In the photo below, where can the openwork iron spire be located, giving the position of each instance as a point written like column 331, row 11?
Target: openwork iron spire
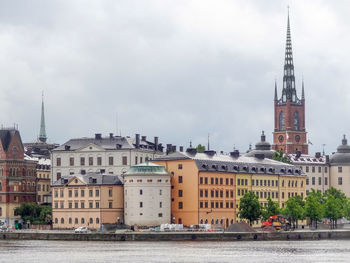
column 42, row 135
column 289, row 91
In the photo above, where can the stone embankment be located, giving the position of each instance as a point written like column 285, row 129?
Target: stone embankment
column 178, row 236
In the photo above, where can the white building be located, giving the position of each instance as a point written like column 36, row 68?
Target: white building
column 111, row 155
column 147, row 200
column 316, row 168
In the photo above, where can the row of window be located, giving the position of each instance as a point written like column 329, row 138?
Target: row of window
column 213, row 193
column 313, row 181
column 218, row 204
column 76, row 220
column 216, row 181
column 148, row 180
column 45, row 187
column 141, row 204
column 313, row 169
column 16, row 172
column 82, row 193
column 91, row 161
column 82, row 205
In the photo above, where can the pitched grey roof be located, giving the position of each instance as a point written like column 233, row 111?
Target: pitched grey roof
column 107, row 143
column 307, row 159
column 92, row 179
column 242, row 164
column 6, row 136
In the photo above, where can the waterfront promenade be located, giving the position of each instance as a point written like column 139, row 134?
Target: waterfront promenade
column 178, row 236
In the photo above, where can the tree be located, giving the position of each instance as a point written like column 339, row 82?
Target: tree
column 280, row 156
column 34, row 213
column 336, row 205
column 200, row 148
column 294, row 210
column 271, row 209
column 314, row 207
column 249, row 207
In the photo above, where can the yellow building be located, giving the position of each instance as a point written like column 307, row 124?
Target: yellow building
column 43, row 175
column 87, row 200
column 207, row 187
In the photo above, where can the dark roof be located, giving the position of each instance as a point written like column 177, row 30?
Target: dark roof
column 242, row 164
column 262, row 147
column 107, row 143
column 91, row 179
column 6, row 136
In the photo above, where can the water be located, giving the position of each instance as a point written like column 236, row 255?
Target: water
column 258, row 251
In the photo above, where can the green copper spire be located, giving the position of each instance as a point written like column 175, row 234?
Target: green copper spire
column 42, row 135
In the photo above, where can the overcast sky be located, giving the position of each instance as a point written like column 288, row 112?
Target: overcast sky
column 174, row 69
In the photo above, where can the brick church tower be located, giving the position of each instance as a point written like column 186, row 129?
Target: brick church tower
column 289, row 133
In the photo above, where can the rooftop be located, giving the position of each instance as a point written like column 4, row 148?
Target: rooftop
column 147, row 168
column 91, row 179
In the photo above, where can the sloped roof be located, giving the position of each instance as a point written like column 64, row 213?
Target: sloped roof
column 6, row 136
column 100, row 179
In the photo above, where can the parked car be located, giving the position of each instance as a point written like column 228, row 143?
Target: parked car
column 82, row 229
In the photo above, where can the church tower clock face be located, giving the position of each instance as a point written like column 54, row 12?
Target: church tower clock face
column 297, row 138
column 280, row 138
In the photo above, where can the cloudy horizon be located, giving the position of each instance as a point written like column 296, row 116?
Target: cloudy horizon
column 179, row 70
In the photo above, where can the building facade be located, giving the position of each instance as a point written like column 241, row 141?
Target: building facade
column 207, row 187
column 87, row 200
column 289, row 133
column 147, row 195
column 111, row 155
column 17, row 176
column 43, row 175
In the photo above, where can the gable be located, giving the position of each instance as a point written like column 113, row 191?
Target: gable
column 90, row 148
column 75, row 181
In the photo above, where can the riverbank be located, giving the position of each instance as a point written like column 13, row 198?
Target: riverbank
column 178, row 236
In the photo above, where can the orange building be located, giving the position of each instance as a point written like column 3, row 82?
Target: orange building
column 206, row 187
column 87, row 200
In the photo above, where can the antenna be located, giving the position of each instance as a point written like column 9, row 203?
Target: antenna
column 323, row 145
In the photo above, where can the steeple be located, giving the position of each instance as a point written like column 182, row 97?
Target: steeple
column 302, row 91
column 276, row 97
column 42, row 135
column 289, row 91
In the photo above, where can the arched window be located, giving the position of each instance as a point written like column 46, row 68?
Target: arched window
column 82, row 220
column 282, row 121
column 62, row 220
column 97, row 220
column 91, row 220
column 296, row 120
column 56, row 220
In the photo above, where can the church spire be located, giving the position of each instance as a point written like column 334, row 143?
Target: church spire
column 42, row 135
column 289, row 92
column 276, row 98
column 302, row 91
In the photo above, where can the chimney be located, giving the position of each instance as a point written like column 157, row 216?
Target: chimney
column 181, row 148
column 318, row 155
column 156, row 143
column 98, row 136
column 111, row 135
column 327, row 159
column 173, row 148
column 234, row 154
column 137, row 141
column 143, row 138
column 168, row 148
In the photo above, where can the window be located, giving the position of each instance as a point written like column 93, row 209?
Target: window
column 231, row 181
column 296, row 120
column 313, row 169
column 212, row 193
column 71, row 161
column 141, row 204
column 90, row 192
column 110, row 204
column 238, row 181
column 58, row 175
column 340, row 180
column 62, row 204
column 201, row 180
column 307, row 181
column 70, row 205
column 82, row 193
column 205, row 180
column 75, row 193
column 226, row 181
column 62, row 220
column 206, row 193
column 82, row 205
column 76, row 221
column 180, row 205
column 110, row 192
column 216, row 180
column 56, row 193
column 253, row 182
column 340, row 169
column 58, row 161
column 180, row 193
column 313, row 180
column 135, row 159
column 110, row 160
column 221, row 194
column 76, row 205
column 56, row 220
column 125, row 160
column 326, row 169
column 282, row 195
column 91, row 221
column 56, row 204
column 180, row 179
column 221, row 180
column 141, row 192
column 160, row 191
column 69, row 193
column 179, row 166
column 245, row 181
column 82, row 220
column 319, row 169
column 82, row 161
column 91, row 161
column 326, row 181
column 307, row 169
column 160, row 215
column 201, row 193
column 281, row 121
column 160, row 204
column 91, row 205
column 99, row 160
column 319, row 180
column 211, row 180
column 97, row 193
column 97, row 204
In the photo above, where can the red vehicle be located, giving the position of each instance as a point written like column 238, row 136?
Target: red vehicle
column 276, row 221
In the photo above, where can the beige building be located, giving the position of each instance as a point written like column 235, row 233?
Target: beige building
column 147, row 195
column 87, row 200
column 340, row 168
column 316, row 169
column 43, row 175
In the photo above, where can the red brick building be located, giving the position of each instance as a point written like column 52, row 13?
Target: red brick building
column 17, row 175
column 289, row 133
